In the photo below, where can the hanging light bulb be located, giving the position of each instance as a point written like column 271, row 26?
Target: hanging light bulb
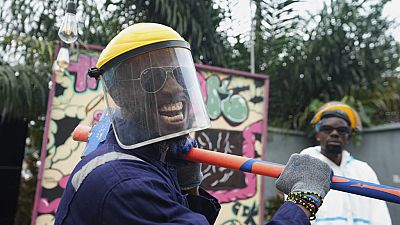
column 69, row 27
column 63, row 58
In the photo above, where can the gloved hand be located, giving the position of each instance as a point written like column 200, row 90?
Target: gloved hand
column 304, row 173
column 189, row 173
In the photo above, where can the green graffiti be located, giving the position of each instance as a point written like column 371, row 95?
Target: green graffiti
column 232, row 222
column 234, row 108
column 220, row 100
column 247, row 212
column 213, row 104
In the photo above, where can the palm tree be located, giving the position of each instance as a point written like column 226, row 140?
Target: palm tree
column 24, row 86
column 347, row 53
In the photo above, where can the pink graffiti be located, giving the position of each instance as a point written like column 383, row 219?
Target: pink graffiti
column 203, row 85
column 248, row 149
column 46, row 207
column 82, row 81
column 63, row 182
column 249, row 138
column 97, row 116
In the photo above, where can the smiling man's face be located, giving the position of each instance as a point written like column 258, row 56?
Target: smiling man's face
column 172, row 109
column 333, row 135
column 173, row 104
column 156, row 87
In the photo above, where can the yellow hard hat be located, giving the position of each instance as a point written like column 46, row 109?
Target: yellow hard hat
column 351, row 114
column 141, row 37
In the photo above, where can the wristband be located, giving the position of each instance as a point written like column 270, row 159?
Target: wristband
column 310, row 200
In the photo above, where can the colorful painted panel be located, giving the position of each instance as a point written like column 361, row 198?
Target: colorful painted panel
column 236, row 103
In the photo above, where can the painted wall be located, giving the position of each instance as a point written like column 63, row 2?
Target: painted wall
column 236, row 103
column 74, row 99
column 236, row 106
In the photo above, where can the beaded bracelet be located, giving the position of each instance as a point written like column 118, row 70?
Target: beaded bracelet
column 310, row 200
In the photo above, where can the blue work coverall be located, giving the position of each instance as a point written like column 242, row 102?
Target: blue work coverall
column 289, row 214
column 116, row 186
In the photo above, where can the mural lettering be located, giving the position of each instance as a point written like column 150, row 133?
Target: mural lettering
column 247, row 212
column 80, row 67
column 232, row 222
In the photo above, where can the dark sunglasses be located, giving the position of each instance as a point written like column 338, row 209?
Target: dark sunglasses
column 329, row 129
column 153, row 79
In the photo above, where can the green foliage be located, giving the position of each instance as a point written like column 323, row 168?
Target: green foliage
column 24, row 78
column 277, row 34
column 345, row 52
column 27, row 52
column 379, row 104
column 196, row 21
column 348, row 53
column 24, row 91
column 275, row 25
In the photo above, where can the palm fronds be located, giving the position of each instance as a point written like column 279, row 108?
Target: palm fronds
column 23, row 91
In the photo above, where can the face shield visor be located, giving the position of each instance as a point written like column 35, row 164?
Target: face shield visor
column 154, row 96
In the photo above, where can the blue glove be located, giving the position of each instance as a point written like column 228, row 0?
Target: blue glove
column 189, row 173
column 178, row 147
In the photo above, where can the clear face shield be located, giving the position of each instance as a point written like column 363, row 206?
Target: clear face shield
column 154, row 96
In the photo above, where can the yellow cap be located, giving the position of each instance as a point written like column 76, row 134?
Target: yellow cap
column 355, row 121
column 135, row 36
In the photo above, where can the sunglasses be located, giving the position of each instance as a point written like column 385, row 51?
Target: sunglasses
column 153, row 79
column 329, row 129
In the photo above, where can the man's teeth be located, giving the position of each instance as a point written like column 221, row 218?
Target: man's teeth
column 172, row 107
column 172, row 112
column 176, row 118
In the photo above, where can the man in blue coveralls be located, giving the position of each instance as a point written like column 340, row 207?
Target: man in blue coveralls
column 138, row 174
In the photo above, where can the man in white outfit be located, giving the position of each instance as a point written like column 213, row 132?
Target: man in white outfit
column 334, row 123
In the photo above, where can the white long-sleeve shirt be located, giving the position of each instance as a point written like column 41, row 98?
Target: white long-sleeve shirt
column 341, row 208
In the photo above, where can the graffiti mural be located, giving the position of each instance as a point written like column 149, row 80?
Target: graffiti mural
column 230, row 185
column 75, row 99
column 236, row 103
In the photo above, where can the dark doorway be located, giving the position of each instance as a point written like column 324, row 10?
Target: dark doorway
column 12, row 147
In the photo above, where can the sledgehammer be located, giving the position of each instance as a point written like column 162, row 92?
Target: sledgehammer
column 260, row 167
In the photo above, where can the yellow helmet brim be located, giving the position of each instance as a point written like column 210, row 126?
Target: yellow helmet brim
column 353, row 116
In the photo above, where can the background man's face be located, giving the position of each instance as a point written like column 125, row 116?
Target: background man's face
column 333, row 135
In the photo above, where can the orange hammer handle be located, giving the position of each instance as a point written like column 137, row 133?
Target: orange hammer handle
column 234, row 162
